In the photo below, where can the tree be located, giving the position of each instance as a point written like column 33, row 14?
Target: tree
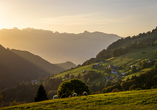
column 1, row 102
column 72, row 76
column 140, row 64
column 71, row 86
column 93, row 87
column 144, row 64
column 156, row 51
column 41, row 94
column 133, row 69
column 155, row 80
column 155, row 67
column 79, row 76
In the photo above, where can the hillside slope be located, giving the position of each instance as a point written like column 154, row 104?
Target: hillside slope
column 128, row 100
column 15, row 69
column 57, row 47
column 128, row 59
column 43, row 64
column 123, row 45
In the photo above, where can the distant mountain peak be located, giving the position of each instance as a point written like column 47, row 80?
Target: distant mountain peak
column 86, row 32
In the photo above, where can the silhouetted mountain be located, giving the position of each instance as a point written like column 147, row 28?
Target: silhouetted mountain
column 43, row 64
column 57, row 47
column 14, row 69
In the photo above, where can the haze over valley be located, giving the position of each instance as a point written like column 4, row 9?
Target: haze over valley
column 57, row 47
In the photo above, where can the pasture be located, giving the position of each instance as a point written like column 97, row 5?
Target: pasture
column 126, row 100
column 128, row 59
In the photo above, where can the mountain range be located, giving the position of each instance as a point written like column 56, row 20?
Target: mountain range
column 57, row 47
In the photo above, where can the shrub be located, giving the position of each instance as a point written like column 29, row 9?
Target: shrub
column 110, row 88
column 132, row 87
column 97, row 92
column 14, row 103
column 153, row 87
column 116, row 90
column 138, row 88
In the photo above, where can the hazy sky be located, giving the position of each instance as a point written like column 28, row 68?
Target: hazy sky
column 122, row 17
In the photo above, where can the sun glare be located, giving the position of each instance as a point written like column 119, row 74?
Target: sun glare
column 1, row 20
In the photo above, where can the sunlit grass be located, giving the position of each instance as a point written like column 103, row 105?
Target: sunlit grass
column 131, row 58
column 128, row 100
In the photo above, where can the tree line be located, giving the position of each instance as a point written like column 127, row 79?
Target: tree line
column 147, row 80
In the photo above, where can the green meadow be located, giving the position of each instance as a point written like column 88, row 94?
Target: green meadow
column 126, row 100
column 128, row 59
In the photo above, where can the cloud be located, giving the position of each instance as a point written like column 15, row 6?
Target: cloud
column 85, row 19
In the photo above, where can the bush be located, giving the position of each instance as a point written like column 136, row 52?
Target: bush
column 14, row 103
column 153, row 87
column 71, row 86
column 132, row 87
column 110, row 88
column 97, row 92
column 138, row 88
column 116, row 90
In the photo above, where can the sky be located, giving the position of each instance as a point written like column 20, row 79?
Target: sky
column 121, row 17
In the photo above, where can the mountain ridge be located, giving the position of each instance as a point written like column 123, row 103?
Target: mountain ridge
column 42, row 63
column 57, row 47
column 15, row 69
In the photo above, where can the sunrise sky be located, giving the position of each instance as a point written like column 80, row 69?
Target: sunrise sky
column 121, row 17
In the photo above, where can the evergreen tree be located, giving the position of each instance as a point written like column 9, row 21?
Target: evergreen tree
column 41, row 94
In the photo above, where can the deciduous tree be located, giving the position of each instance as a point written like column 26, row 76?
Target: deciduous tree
column 71, row 86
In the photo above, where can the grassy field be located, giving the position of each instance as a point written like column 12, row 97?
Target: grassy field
column 131, row 58
column 127, row 100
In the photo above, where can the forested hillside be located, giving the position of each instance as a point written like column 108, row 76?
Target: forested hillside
column 123, row 45
column 15, row 69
